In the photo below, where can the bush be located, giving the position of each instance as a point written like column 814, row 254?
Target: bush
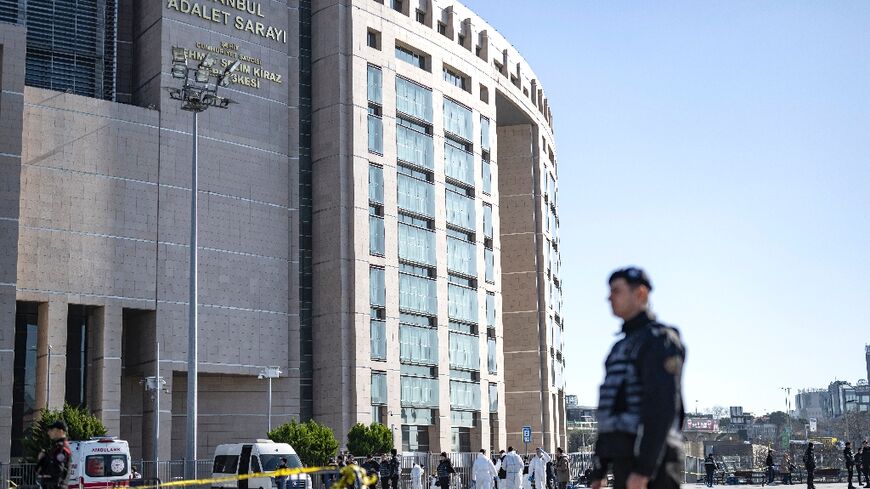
column 363, row 440
column 314, row 443
column 80, row 424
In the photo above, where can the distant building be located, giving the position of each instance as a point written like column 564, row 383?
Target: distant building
column 847, row 398
column 867, row 358
column 571, row 400
column 813, row 403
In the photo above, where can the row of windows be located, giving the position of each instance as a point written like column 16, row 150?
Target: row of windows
column 535, row 94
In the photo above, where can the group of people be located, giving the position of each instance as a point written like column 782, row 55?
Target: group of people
column 860, row 460
column 504, row 471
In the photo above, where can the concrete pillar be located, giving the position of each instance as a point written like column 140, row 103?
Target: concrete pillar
column 7, row 357
column 52, row 333
column 104, row 366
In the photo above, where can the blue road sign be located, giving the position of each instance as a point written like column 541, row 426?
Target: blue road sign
column 527, row 434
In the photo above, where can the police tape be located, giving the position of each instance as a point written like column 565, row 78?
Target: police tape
column 350, row 477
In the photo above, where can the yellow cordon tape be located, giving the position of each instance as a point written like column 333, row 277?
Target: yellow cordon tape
column 350, row 477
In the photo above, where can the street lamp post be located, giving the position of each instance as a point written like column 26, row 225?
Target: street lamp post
column 197, row 93
column 270, row 373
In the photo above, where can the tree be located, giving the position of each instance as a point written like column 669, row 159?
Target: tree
column 363, row 440
column 80, row 424
column 313, row 442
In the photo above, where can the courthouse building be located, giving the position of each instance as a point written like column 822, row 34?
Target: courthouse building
column 377, row 219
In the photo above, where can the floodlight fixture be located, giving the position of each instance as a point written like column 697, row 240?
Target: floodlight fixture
column 178, row 55
column 179, row 70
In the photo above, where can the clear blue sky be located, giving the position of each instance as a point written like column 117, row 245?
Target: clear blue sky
column 725, row 147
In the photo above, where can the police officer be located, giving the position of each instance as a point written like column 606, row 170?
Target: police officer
column 810, row 465
column 849, row 460
column 640, row 410
column 52, row 467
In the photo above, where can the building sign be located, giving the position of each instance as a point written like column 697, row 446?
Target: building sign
column 250, row 73
column 701, row 424
column 244, row 15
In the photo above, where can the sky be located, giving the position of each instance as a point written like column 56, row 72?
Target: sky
column 724, row 146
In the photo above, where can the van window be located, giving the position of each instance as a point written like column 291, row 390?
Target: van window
column 226, row 464
column 106, row 465
column 272, row 460
column 255, row 464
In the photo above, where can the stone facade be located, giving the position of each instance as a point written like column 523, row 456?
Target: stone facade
column 95, row 213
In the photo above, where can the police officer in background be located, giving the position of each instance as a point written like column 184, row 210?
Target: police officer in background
column 640, row 410
column 52, row 467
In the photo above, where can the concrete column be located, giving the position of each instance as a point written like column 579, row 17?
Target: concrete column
column 52, row 332
column 104, row 366
column 7, row 357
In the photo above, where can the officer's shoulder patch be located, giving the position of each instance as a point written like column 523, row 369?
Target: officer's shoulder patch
column 673, row 364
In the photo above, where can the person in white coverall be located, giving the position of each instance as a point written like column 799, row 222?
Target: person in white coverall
column 538, row 468
column 513, row 465
column 483, row 472
column 416, row 476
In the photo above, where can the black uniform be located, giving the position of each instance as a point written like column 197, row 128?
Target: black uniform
column 849, row 460
column 865, row 463
column 769, row 463
column 444, row 471
column 859, row 465
column 710, row 468
column 640, row 411
column 396, row 468
column 386, row 473
column 53, row 467
column 810, row 465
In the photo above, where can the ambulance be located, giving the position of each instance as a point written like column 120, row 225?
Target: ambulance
column 99, row 462
column 235, row 459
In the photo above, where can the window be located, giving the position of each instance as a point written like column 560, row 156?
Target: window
column 461, row 39
column 458, row 162
column 464, row 351
column 462, row 303
column 464, row 395
column 416, row 245
column 419, row 392
column 457, row 119
column 456, row 78
column 489, row 260
column 493, row 398
column 410, row 56
column 414, row 195
column 413, row 99
column 398, row 5
column 416, row 438
column 376, row 133
column 484, row 94
column 375, row 84
column 486, row 176
column 418, row 345
column 379, row 339
column 373, row 39
column 484, row 134
column 376, row 184
column 417, row 294
column 377, row 291
column 491, row 356
column 379, row 388
column 105, row 465
column 414, row 146
column 442, row 28
column 460, row 210
column 226, row 464
column 461, row 256
column 487, row 221
column 420, row 222
column 376, row 235
column 421, row 17
column 490, row 309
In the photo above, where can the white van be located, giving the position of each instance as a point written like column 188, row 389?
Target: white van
column 99, row 462
column 251, row 458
